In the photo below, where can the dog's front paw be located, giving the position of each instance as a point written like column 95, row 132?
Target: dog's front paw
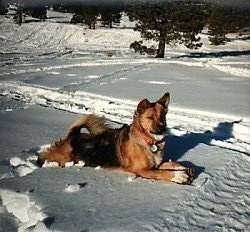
column 184, row 176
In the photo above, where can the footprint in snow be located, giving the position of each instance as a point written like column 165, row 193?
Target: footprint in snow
column 201, row 180
column 72, row 188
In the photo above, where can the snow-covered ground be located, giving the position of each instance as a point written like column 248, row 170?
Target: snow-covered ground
column 52, row 71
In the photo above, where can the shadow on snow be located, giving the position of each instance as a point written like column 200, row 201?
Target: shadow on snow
column 177, row 146
column 216, row 54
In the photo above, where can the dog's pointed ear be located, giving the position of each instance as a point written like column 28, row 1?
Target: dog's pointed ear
column 164, row 100
column 143, row 105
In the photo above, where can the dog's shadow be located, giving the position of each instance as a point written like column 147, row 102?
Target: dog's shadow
column 177, row 146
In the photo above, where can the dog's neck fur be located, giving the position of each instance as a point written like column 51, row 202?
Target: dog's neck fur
column 150, row 141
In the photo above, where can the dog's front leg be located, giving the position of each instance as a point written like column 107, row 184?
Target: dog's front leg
column 175, row 166
column 178, row 176
column 171, row 166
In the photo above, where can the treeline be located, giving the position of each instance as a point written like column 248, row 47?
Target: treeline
column 107, row 12
column 166, row 22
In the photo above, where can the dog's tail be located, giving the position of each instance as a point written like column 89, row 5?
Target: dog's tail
column 61, row 151
column 93, row 123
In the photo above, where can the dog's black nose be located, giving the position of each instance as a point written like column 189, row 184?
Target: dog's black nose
column 161, row 128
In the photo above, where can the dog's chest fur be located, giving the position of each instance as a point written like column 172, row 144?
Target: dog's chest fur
column 156, row 157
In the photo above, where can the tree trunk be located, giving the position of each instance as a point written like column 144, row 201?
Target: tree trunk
column 19, row 18
column 161, row 46
column 92, row 25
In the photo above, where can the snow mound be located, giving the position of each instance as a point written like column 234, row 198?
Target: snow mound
column 29, row 215
column 71, row 188
column 22, row 167
column 50, row 164
column 69, row 164
column 16, row 161
column 55, row 36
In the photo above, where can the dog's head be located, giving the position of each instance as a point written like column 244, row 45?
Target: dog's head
column 151, row 116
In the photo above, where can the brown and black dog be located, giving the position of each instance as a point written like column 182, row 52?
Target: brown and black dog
column 136, row 148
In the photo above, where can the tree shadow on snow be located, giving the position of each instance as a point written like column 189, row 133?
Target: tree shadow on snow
column 216, row 54
column 177, row 146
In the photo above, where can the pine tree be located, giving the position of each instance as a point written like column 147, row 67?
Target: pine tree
column 3, row 8
column 36, row 11
column 169, row 23
column 217, row 29
column 243, row 20
column 110, row 14
column 90, row 15
column 234, row 20
column 85, row 12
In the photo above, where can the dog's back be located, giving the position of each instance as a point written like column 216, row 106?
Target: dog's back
column 72, row 146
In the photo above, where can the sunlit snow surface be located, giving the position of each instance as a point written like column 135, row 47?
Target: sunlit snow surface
column 51, row 72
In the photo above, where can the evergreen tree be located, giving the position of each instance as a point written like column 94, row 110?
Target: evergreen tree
column 169, row 23
column 19, row 16
column 3, row 8
column 243, row 20
column 36, row 11
column 88, row 12
column 85, row 12
column 110, row 14
column 217, row 29
column 234, row 20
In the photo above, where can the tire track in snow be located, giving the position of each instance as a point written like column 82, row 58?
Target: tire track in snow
column 107, row 78
column 180, row 121
column 86, row 63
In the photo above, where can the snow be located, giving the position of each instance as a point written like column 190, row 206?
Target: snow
column 71, row 188
column 53, row 71
column 25, row 211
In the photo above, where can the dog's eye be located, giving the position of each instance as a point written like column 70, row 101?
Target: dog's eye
column 151, row 118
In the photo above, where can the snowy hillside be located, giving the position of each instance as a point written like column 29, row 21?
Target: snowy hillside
column 52, row 71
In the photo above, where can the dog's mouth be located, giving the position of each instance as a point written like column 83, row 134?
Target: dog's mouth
column 157, row 136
